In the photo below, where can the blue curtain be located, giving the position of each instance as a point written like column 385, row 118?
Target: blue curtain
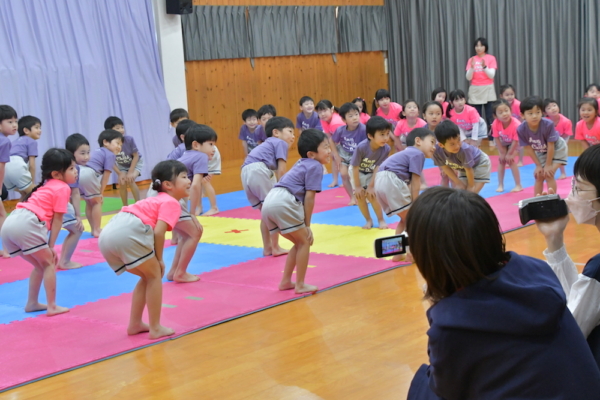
column 74, row 63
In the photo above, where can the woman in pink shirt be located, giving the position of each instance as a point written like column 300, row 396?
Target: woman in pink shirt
column 134, row 239
column 330, row 121
column 385, row 107
column 588, row 129
column 409, row 120
column 362, row 107
column 481, row 69
column 25, row 231
column 562, row 124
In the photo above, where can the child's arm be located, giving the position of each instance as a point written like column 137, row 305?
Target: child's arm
column 501, row 151
column 76, row 202
column 450, row 172
column 57, row 220
column 548, row 170
column 512, row 150
column 195, row 193
column 122, row 175
column 104, row 181
column 334, row 153
column 538, row 165
column 359, row 192
column 371, row 185
column 281, row 167
column 131, row 172
column 245, row 147
column 415, row 186
column 32, row 168
column 159, row 243
column 584, row 144
column 470, row 178
column 309, row 204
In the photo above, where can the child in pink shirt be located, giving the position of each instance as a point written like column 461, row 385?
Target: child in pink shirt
column 25, row 231
column 504, row 131
column 133, row 241
column 440, row 94
column 588, row 129
column 593, row 91
column 562, row 124
column 465, row 117
column 330, row 121
column 409, row 120
column 362, row 106
column 385, row 107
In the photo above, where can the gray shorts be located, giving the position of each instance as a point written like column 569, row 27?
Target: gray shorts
column 345, row 155
column 393, row 194
column 138, row 166
column 23, row 232
column 214, row 165
column 89, row 182
column 365, row 179
column 16, row 174
column 282, row 212
column 481, row 171
column 185, row 214
column 561, row 153
column 257, row 181
column 126, row 242
column 69, row 217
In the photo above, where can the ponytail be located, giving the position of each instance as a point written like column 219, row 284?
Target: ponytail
column 166, row 171
column 53, row 160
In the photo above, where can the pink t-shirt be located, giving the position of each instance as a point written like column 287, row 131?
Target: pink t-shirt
column 592, row 136
column 364, row 117
column 507, row 135
column 393, row 115
column 402, row 128
column 479, row 76
column 466, row 119
column 564, row 126
column 515, row 109
column 331, row 126
column 51, row 198
column 162, row 207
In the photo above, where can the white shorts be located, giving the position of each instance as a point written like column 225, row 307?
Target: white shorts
column 257, row 181
column 138, row 166
column 89, row 182
column 365, row 179
column 185, row 214
column 69, row 217
column 345, row 155
column 214, row 165
column 481, row 171
column 482, row 132
column 561, row 153
column 126, row 242
column 282, row 212
column 16, row 174
column 393, row 194
column 23, row 232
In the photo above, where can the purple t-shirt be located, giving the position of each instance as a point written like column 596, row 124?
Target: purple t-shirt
column 468, row 156
column 125, row 157
column 269, row 152
column 5, row 145
column 76, row 184
column 306, row 174
column 176, row 141
column 24, row 147
column 102, row 160
column 538, row 140
column 366, row 159
column 349, row 139
column 252, row 138
column 176, row 152
column 306, row 123
column 196, row 162
column 405, row 163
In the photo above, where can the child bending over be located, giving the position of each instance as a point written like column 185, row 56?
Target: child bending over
column 20, row 172
column 8, row 126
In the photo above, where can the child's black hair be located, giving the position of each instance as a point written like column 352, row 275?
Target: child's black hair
column 433, row 103
column 498, row 103
column 113, row 121
column 456, row 94
column 592, row 85
column 304, row 99
column 587, row 166
column 53, row 160
column 7, row 112
column 532, row 101
column 279, row 123
column 590, row 101
column 199, row 133
column 377, row 123
column 402, row 116
column 177, row 114
column 483, row 41
column 267, row 109
column 27, row 122
column 310, row 140
column 505, row 87
column 420, row 133
column 166, row 171
column 363, row 102
column 182, row 128
column 446, row 130
column 437, row 91
column 548, row 101
column 75, row 141
column 249, row 113
column 109, row 135
column 380, row 94
column 324, row 105
column 346, row 108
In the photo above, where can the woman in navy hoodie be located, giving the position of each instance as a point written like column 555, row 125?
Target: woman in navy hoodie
column 499, row 323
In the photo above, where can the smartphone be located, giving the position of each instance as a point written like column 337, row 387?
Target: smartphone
column 390, row 246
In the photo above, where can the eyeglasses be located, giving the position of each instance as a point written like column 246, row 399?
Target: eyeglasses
column 576, row 190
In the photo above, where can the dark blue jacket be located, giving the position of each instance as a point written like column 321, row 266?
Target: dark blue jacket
column 509, row 336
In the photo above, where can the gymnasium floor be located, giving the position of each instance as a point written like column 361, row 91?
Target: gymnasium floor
column 363, row 340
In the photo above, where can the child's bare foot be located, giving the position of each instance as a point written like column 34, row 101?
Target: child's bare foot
column 352, row 202
column 170, row 275
column 198, row 211
column 368, row 225
column 562, row 176
column 162, row 331
column 138, row 328
column 382, row 224
column 520, row 164
column 96, row 233
column 174, row 240
column 186, row 278
column 52, row 311
column 5, row 254
column 333, row 184
column 69, row 265
column 35, row 307
column 517, row 188
column 279, row 252
column 210, row 212
column 304, row 288
column 287, row 286
column 500, row 189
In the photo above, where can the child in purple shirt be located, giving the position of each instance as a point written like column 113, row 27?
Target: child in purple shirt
column 344, row 142
column 8, row 126
column 472, row 164
column 265, row 113
column 542, row 143
column 367, row 157
column 94, row 176
column 176, row 116
column 129, row 161
column 20, row 172
column 289, row 205
column 251, row 133
column 263, row 164
column 180, row 131
column 308, row 118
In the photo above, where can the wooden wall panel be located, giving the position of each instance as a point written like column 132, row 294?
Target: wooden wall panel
column 219, row 90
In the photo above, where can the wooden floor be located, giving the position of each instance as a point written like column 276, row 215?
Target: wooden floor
column 363, row 340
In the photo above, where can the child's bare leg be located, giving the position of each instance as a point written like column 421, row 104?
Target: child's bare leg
column 538, row 187
column 347, row 184
column 276, row 249
column 445, row 179
column 478, row 186
column 68, row 248
column 88, row 213
column 123, row 193
column 2, row 218
column 138, row 302
column 401, row 227
column 364, row 209
column 135, row 191
column 190, row 236
column 44, row 260
column 517, row 177
column 521, row 157
column 378, row 213
column 290, row 262
column 266, row 238
column 35, row 282
column 96, row 216
column 550, row 180
column 501, row 170
column 209, row 191
column 302, row 252
column 334, row 171
column 563, row 173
